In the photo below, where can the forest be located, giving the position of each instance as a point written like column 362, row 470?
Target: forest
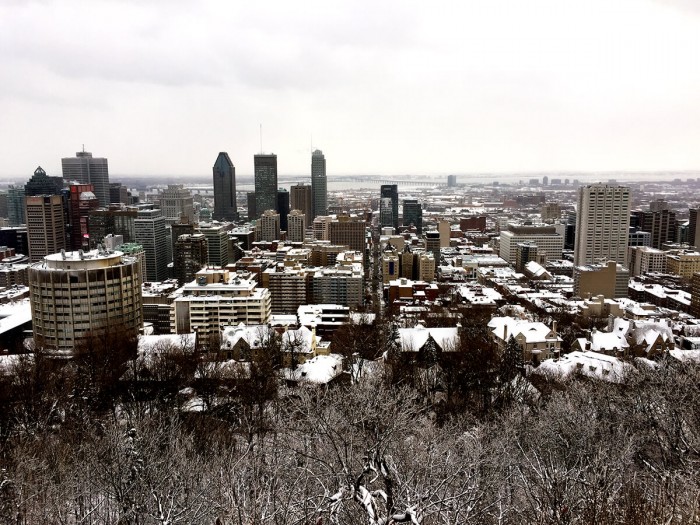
column 436, row 439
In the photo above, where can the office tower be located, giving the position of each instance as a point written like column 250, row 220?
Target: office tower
column 45, row 225
column 15, row 205
column 225, row 189
column 297, row 226
column 445, row 232
column 348, row 230
column 391, row 191
column 117, row 219
column 42, row 184
column 265, row 183
column 283, row 207
column 661, row 224
column 319, row 184
column 217, row 243
column 118, row 193
column 76, row 294
column 86, row 169
column 176, row 202
column 659, row 205
column 190, row 256
column 250, row 199
column 180, row 228
column 432, row 244
column 452, row 181
column 602, row 224
column 268, row 226
column 301, row 199
column 545, row 180
column 149, row 230
column 81, row 201
column 550, row 211
column 386, row 213
column 3, row 205
column 550, row 244
column 693, row 227
column 413, row 214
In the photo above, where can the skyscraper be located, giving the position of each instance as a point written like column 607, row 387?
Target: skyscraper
column 15, row 205
column 283, row 207
column 413, row 214
column 45, row 225
column 149, row 227
column 86, row 169
column 176, row 202
column 191, row 252
column 301, row 199
column 319, row 184
column 217, row 243
column 296, row 226
column 602, row 224
column 42, row 184
column 661, row 224
column 391, row 191
column 224, row 189
column 81, row 201
column 265, row 167
column 75, row 294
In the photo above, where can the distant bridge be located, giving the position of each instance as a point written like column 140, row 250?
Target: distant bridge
column 380, row 180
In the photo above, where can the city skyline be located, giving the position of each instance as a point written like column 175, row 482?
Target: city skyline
column 468, row 87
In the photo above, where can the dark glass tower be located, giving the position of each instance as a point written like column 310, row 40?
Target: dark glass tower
column 265, row 183
column 413, row 214
column 319, row 185
column 224, row 189
column 283, row 207
column 391, row 191
column 42, row 184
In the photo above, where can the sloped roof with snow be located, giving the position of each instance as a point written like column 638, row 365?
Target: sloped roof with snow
column 318, row 370
column 254, row 335
column 532, row 331
column 413, row 339
column 590, row 364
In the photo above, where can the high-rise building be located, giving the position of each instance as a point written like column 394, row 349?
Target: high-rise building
column 550, row 244
column 217, row 243
column 117, row 219
column 319, row 184
column 225, row 189
column 693, row 227
column 190, row 256
column 86, row 169
column 661, row 224
column 391, row 191
column 81, row 201
column 283, row 207
column 149, row 227
column 42, row 184
column 413, row 214
column 76, row 294
column 268, row 226
column 176, row 202
column 297, row 226
column 602, row 224
column 265, row 167
column 15, row 205
column 452, row 181
column 432, row 244
column 300, row 198
column 250, row 199
column 118, row 193
column 3, row 205
column 348, row 230
column 45, row 225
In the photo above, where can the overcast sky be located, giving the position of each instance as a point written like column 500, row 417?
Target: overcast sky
column 390, row 87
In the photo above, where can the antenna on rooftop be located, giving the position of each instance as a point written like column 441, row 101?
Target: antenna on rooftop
column 261, row 150
column 83, row 148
